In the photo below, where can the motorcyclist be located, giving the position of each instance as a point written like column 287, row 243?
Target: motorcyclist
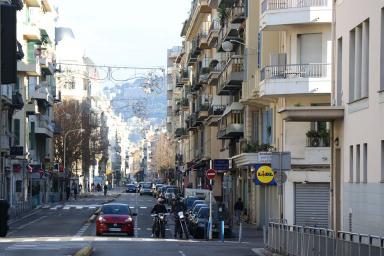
column 177, row 207
column 158, row 208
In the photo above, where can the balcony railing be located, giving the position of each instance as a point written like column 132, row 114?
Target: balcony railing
column 292, row 71
column 216, row 110
column 286, row 4
column 238, row 14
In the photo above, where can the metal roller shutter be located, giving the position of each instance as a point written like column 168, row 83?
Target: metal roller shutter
column 312, row 204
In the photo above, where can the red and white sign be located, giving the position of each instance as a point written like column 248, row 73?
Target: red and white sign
column 210, row 174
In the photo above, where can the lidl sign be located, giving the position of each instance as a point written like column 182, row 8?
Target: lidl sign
column 264, row 175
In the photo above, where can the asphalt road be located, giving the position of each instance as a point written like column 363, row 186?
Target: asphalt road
column 65, row 228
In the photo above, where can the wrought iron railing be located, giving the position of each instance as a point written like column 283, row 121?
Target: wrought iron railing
column 290, row 71
column 286, row 4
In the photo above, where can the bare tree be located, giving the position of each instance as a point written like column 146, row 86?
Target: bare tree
column 164, row 154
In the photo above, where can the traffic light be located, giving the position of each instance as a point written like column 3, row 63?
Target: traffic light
column 4, row 206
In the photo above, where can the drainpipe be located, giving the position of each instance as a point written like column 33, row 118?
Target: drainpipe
column 334, row 223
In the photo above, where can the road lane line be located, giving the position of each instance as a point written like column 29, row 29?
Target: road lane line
column 53, row 239
column 29, row 240
column 31, row 222
column 77, row 239
column 182, row 253
column 82, row 230
column 143, row 207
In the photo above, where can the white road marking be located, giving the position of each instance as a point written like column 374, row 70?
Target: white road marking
column 53, row 240
column 77, row 239
column 101, row 238
column 82, row 230
column 66, row 208
column 143, row 207
column 30, row 240
column 31, row 222
column 6, row 240
column 182, row 253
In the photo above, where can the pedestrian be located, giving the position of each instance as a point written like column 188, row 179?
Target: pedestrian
column 74, row 188
column 93, row 187
column 80, row 188
column 239, row 207
column 98, row 187
column 68, row 191
column 105, row 189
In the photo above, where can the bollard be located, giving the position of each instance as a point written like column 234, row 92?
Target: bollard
column 240, row 231
column 222, row 230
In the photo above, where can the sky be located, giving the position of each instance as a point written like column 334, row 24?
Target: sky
column 126, row 32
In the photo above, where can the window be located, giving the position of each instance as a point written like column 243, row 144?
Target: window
column 16, row 131
column 255, row 128
column 357, row 163
column 359, row 61
column 32, row 139
column 351, row 164
column 365, row 163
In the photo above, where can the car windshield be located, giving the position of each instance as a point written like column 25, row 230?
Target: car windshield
column 189, row 201
column 131, row 186
column 147, row 185
column 171, row 190
column 116, row 209
column 203, row 212
column 197, row 202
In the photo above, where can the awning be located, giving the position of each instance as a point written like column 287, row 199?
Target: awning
column 249, row 159
column 312, row 113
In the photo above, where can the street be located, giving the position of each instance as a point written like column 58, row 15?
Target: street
column 63, row 229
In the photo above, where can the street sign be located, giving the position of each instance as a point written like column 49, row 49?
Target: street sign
column 210, row 174
column 220, row 164
column 281, row 161
column 265, row 174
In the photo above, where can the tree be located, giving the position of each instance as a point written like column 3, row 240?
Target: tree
column 164, row 154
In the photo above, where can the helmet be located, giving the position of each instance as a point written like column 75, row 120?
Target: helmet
column 160, row 200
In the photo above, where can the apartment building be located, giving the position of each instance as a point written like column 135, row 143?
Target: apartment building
column 33, row 126
column 359, row 84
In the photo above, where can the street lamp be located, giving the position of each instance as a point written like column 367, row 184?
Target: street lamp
column 228, row 45
column 65, row 139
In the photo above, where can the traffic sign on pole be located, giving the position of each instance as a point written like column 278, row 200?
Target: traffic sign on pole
column 210, row 174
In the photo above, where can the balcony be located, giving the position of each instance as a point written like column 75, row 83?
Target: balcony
column 191, row 59
column 213, row 33
column 214, row 114
column 215, row 69
column 295, row 79
column 231, row 124
column 43, row 125
column 237, row 14
column 277, row 14
column 32, row 67
column 6, row 94
column 184, row 102
column 179, row 132
column 202, row 112
column 31, row 32
column 4, row 143
column 46, row 63
column 42, row 93
column 191, row 122
column 199, row 8
column 31, row 108
column 231, row 78
column 202, row 37
column 33, row 3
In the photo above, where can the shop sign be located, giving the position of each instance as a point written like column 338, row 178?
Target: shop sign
column 264, row 175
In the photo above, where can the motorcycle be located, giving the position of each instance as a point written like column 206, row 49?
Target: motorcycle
column 159, row 221
column 182, row 227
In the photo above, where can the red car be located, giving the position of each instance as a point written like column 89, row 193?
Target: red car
column 115, row 218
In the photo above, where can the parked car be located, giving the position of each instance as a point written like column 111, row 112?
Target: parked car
column 188, row 201
column 192, row 216
column 130, row 188
column 115, row 218
column 199, row 222
column 146, row 189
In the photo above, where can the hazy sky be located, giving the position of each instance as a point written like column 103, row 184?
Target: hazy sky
column 126, row 32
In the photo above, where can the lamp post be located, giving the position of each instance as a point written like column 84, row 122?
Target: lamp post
column 65, row 140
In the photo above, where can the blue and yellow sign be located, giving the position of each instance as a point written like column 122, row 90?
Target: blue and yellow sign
column 264, row 175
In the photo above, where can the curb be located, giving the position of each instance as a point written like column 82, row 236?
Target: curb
column 86, row 251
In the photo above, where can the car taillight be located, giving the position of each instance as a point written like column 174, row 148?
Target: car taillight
column 129, row 219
